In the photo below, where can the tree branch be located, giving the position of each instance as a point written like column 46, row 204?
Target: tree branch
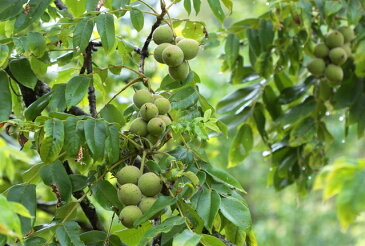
column 60, row 5
column 47, row 206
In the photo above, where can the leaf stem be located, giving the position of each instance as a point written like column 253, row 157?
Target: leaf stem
column 143, row 161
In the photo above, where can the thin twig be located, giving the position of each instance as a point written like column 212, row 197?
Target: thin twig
column 149, row 6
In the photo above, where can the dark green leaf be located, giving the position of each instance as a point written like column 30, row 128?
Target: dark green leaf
column 4, row 54
column 78, row 182
column 260, row 120
column 236, row 212
column 10, row 8
column 217, row 10
column 266, row 34
column 36, row 10
column 72, row 139
column 35, row 241
column 112, row 143
column 95, row 135
column 76, row 89
column 137, row 19
column 197, row 4
column 55, row 174
column 36, row 108
column 231, row 49
column 264, row 65
column 82, row 34
column 112, row 114
column 105, row 26
column 184, row 98
column 6, row 104
column 52, row 143
column 186, row 238
column 208, row 240
column 241, row 145
column 94, row 238
column 23, row 73
column 91, row 5
column 187, row 6
column 36, row 43
column 106, row 195
column 69, row 234
column 58, row 100
column 271, row 102
column 298, row 112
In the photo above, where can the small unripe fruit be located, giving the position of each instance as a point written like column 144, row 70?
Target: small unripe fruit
column 325, row 91
column 139, row 127
column 173, row 56
column 334, row 73
column 129, row 194
column 163, row 105
column 129, row 214
column 156, row 96
column 179, row 73
column 141, row 97
column 158, row 52
column 156, row 126
column 347, row 48
column 335, row 39
column 146, row 204
column 316, row 66
column 178, row 39
column 338, row 56
column 321, row 50
column 148, row 111
column 347, row 33
column 190, row 47
column 128, row 174
column 163, row 34
column 166, row 119
column 150, row 184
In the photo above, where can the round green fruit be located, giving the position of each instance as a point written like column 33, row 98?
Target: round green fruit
column 156, row 126
column 146, row 204
column 129, row 194
column 173, row 56
column 150, row 184
column 163, row 34
column 338, row 56
column 334, row 39
column 158, row 52
column 129, row 214
column 190, row 47
column 148, row 111
column 179, row 73
column 128, row 174
column 138, row 127
column 141, row 97
column 156, row 96
column 347, row 48
column 163, row 105
column 321, row 50
column 178, row 39
column 317, row 66
column 334, row 73
column 325, row 91
column 348, row 33
column 166, row 119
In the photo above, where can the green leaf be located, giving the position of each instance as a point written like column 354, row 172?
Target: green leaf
column 260, row 120
column 186, row 238
column 234, row 234
column 164, row 227
column 95, row 135
column 36, row 43
column 207, row 204
column 192, row 216
column 38, row 66
column 297, row 112
column 9, row 223
column 78, row 182
column 217, row 10
column 69, row 234
column 264, row 65
column 231, row 49
column 303, row 132
column 105, row 27
column 72, row 139
column 106, row 195
column 208, row 240
column 332, row 7
column 23, row 73
column 76, row 89
column 4, row 54
column 169, row 83
column 55, row 174
column 36, row 10
column 36, row 108
column 25, row 194
column 197, row 4
column 5, row 95
column 10, row 8
column 223, row 177
column 58, row 99
column 93, row 237
column 161, row 203
column 35, row 241
column 112, row 143
column 271, row 102
column 184, row 98
column 236, row 212
column 187, row 6
column 51, row 144
column 82, row 34
column 137, row 19
column 193, row 30
column 266, row 34
column 112, row 114
column 76, row 8
column 91, row 5
column 241, row 145
column 228, row 4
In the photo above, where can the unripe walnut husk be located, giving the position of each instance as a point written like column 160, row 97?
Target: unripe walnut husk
column 139, row 127
column 338, row 56
column 150, row 184
column 179, row 73
column 156, row 126
column 129, row 194
column 334, row 73
column 348, row 33
column 163, row 105
column 163, row 34
column 190, row 47
column 166, row 119
column 335, row 39
column 173, row 56
column 317, row 67
column 128, row 174
column 129, row 215
column 148, row 111
column 321, row 50
column 141, row 97
column 157, row 54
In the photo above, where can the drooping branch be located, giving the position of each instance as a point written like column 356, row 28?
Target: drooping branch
column 60, row 5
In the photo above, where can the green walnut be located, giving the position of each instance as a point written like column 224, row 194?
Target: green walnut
column 316, row 67
column 178, row 39
column 321, row 50
column 150, row 184
column 129, row 194
column 148, row 111
column 141, row 97
column 158, row 52
column 334, row 39
column 334, row 73
column 129, row 215
column 348, row 33
column 338, row 56
column 163, row 34
column 325, row 91
column 173, row 56
column 179, row 73
column 138, row 127
column 163, row 105
column 128, row 174
column 146, row 204
column 347, row 48
column 156, row 126
column 190, row 48
column 166, row 119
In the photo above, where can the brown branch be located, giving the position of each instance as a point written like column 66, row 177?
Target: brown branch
column 60, row 5
column 144, row 51
column 47, row 206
